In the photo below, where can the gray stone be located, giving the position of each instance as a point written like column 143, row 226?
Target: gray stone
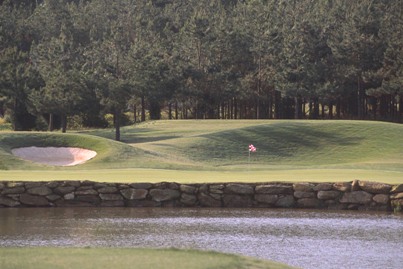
column 141, row 185
column 204, row 188
column 397, row 188
column 188, row 189
column 381, row 199
column 397, row 196
column 285, row 201
column 87, row 183
column 110, row 197
column 15, row 190
column 208, row 201
column 64, row 190
column 69, row 196
column 375, row 187
column 266, row 198
column 2, row 186
column 8, row 202
column 102, row 185
column 303, row 194
column 216, row 196
column 108, row 190
column 239, row 189
column 13, row 184
column 303, row 187
column 342, row 186
column 134, row 194
column 85, row 188
column 323, row 187
column 93, row 199
column 328, row 195
column 15, row 197
column 188, row 199
column 309, row 203
column 356, row 197
column 160, row 195
column 52, row 184
column 233, row 200
column 355, row 185
column 167, row 185
column 30, row 185
column 28, row 199
column 274, row 189
column 53, row 197
column 42, row 191
column 217, row 189
column 123, row 186
column 86, row 192
column 72, row 183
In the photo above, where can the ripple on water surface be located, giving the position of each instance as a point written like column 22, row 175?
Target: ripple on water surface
column 307, row 239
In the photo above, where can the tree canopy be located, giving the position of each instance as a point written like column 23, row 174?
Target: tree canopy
column 202, row 59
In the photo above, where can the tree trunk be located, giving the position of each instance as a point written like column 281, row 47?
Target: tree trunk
column 50, row 124
column 64, row 122
column 143, row 109
column 116, row 122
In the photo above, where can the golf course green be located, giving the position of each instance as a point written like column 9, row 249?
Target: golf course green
column 192, row 151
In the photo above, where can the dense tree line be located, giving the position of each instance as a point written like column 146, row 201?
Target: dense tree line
column 202, row 59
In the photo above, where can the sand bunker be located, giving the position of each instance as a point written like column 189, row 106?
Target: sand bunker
column 60, row 156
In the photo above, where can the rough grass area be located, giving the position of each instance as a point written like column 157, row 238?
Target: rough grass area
column 217, row 150
column 117, row 258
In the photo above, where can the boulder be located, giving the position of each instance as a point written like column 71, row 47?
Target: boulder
column 14, row 190
column 309, row 203
column 303, row 187
column 86, row 192
column 303, row 194
column 8, row 202
column 375, row 187
column 397, row 196
column 53, row 197
column 208, row 201
column 108, row 189
column 188, row 199
column 397, row 188
column 160, row 195
column 12, row 184
column 342, row 186
column 141, row 185
column 217, row 188
column 69, row 196
column 134, row 194
column 323, row 187
column 233, row 200
column 110, row 197
column 285, row 201
column 42, row 191
column 188, row 189
column 33, row 200
column 328, row 195
column 266, row 198
column 239, row 189
column 64, row 190
column 381, row 199
column 356, row 197
column 274, row 189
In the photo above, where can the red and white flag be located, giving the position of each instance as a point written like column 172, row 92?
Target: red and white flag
column 252, row 148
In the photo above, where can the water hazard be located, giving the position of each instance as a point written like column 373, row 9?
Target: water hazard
column 306, row 239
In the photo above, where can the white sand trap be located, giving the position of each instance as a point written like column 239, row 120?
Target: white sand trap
column 61, row 156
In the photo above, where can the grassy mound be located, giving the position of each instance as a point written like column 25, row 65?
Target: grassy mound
column 109, row 153
column 217, row 150
column 126, row 258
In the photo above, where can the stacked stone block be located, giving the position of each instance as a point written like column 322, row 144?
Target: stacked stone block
column 360, row 195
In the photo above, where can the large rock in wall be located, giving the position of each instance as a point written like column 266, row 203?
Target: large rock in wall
column 362, row 195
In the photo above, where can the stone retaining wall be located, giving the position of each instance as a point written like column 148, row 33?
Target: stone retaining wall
column 361, row 195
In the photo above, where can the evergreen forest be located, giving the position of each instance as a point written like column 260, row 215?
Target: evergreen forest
column 199, row 59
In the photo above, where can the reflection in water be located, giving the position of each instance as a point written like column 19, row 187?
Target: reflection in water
column 307, row 239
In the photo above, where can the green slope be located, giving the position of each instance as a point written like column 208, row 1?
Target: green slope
column 217, row 150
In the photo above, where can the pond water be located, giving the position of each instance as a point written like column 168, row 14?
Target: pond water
column 302, row 238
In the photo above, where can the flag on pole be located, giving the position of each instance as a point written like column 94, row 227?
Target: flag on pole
column 252, row 148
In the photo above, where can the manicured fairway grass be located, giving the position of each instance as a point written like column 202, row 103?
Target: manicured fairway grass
column 117, row 258
column 217, row 151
